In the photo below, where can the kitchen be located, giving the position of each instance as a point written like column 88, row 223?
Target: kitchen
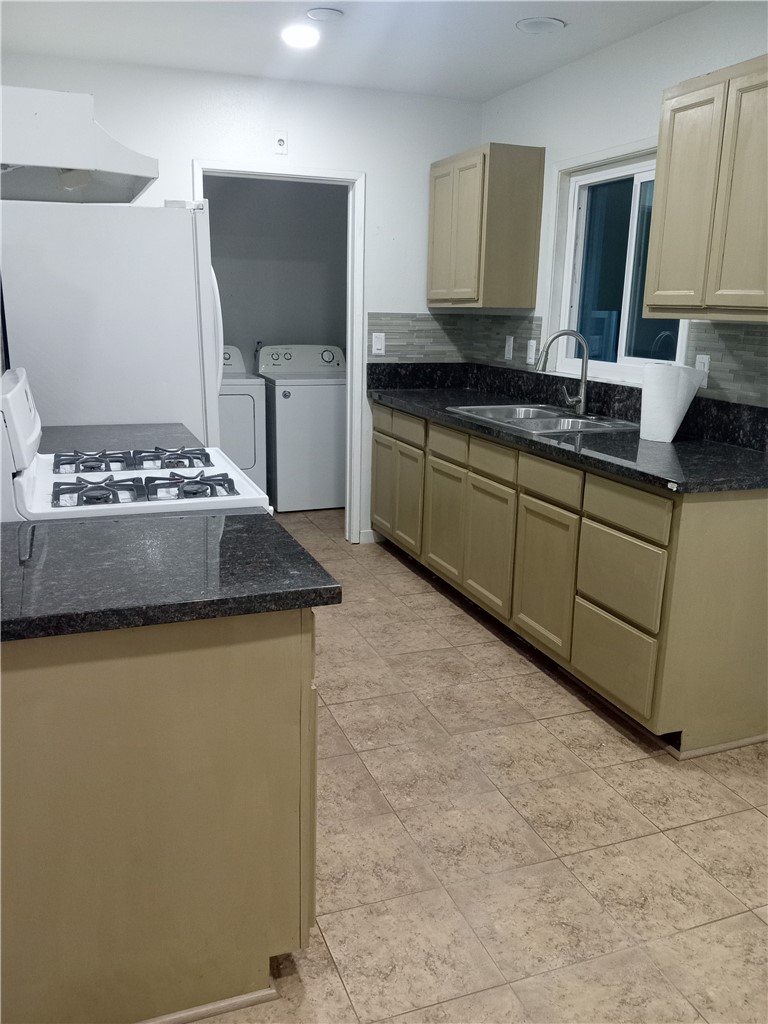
column 603, row 105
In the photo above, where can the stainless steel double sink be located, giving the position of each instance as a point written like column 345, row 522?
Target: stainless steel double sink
column 540, row 419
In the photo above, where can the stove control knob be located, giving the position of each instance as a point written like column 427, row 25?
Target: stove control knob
column 289, row 355
column 275, row 356
column 326, row 355
column 286, row 394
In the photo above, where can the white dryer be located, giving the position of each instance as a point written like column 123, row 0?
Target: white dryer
column 242, row 417
column 306, row 391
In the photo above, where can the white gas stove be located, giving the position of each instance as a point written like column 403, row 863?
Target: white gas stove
column 108, row 483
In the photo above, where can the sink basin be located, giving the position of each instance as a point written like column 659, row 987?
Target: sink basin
column 540, row 419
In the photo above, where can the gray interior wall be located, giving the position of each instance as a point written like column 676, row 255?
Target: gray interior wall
column 279, row 250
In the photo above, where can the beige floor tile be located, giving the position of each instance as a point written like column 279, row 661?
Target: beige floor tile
column 346, row 790
column 543, row 696
column 343, row 568
column 331, row 741
column 764, row 810
column 497, row 659
column 331, row 652
column 433, row 605
column 463, row 630
column 721, row 968
column 671, row 792
column 762, row 913
column 311, row 992
column 744, row 770
column 365, row 605
column 494, row 1006
column 406, row 953
column 421, row 773
column 384, row 721
column 600, row 740
column 578, row 812
column 430, row 672
column 516, row 754
column 373, row 677
column 287, row 518
column 622, row 987
column 472, row 706
column 327, row 518
column 536, row 918
column 651, row 887
column 403, row 582
column 375, row 556
column 406, row 638
column 371, row 618
column 472, row 836
column 367, row 860
column 734, row 849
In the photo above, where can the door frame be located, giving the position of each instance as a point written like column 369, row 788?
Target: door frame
column 356, row 349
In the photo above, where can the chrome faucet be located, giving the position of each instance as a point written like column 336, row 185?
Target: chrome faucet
column 579, row 403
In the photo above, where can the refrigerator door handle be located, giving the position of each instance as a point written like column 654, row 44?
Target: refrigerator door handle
column 219, row 326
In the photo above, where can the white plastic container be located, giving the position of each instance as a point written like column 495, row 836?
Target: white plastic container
column 668, row 390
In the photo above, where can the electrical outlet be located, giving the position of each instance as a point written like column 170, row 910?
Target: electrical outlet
column 281, row 143
column 378, row 343
column 530, row 356
column 702, row 363
column 508, row 343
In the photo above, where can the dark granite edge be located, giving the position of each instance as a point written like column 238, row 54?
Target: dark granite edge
column 551, row 448
column 35, row 627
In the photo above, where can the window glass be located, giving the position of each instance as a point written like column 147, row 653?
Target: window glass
column 646, row 339
column 606, row 234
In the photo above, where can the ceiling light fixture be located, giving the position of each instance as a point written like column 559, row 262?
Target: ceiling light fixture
column 539, row 26
column 302, row 37
column 325, row 14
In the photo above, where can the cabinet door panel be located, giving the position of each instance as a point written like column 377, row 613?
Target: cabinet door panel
column 738, row 269
column 489, row 542
column 383, row 483
column 545, row 572
column 409, row 488
column 686, row 180
column 467, row 226
column 444, row 518
column 440, row 232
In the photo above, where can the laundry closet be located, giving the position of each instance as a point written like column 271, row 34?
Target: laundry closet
column 279, row 252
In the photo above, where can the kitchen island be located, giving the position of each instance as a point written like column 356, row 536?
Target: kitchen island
column 159, row 731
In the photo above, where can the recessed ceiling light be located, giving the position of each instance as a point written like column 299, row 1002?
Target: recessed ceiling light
column 538, row 26
column 302, row 37
column 325, row 14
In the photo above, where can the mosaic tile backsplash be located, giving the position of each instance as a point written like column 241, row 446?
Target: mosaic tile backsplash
column 739, row 352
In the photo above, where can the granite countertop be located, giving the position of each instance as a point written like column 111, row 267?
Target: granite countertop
column 682, row 466
column 99, row 573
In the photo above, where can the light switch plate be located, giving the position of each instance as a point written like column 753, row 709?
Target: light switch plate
column 702, row 363
column 508, row 344
column 378, row 343
column 530, row 356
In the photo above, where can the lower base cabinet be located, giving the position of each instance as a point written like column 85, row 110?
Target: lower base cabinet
column 444, row 488
column 489, row 540
column 397, row 488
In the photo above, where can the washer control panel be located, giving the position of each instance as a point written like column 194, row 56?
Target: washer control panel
column 301, row 358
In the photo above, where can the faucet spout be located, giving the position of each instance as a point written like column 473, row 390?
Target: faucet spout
column 577, row 402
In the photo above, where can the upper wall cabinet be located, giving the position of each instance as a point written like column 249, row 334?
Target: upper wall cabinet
column 484, row 223
column 708, row 249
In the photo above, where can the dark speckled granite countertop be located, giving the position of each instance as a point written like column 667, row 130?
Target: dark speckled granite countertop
column 92, row 574
column 682, row 466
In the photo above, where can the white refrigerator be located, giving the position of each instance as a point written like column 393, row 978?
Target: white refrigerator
column 113, row 312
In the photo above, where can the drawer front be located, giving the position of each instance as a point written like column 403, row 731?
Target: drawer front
column 561, row 483
column 409, row 428
column 493, row 460
column 382, row 418
column 647, row 515
column 448, row 444
column 615, row 657
column 622, row 573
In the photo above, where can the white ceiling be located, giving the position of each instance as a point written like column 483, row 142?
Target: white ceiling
column 463, row 49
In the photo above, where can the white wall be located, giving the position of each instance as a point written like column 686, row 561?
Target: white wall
column 279, row 250
column 180, row 116
column 612, row 99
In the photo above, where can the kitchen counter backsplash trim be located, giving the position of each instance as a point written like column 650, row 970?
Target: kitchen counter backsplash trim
column 690, row 466
column 707, row 419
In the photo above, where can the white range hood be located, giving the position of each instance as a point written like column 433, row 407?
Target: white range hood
column 54, row 151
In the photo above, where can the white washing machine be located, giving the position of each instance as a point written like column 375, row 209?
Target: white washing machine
column 242, row 417
column 306, row 391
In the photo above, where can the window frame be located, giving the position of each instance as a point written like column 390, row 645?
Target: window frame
column 626, row 369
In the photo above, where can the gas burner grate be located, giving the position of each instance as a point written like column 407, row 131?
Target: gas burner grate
column 177, row 486
column 98, row 492
column 171, row 458
column 102, row 461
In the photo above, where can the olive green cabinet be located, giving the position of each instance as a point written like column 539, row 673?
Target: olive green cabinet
column 383, row 483
column 545, row 572
column 445, row 487
column 397, row 488
column 489, row 541
column 484, row 224
column 708, row 248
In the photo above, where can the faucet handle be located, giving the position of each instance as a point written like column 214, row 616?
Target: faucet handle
column 569, row 400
